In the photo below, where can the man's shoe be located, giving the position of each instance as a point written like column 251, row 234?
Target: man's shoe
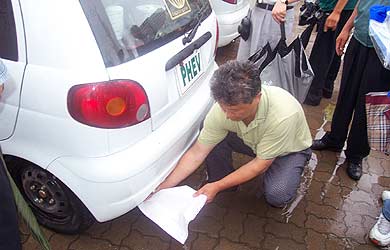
column 326, row 94
column 322, row 145
column 311, row 102
column 354, row 170
column 380, row 232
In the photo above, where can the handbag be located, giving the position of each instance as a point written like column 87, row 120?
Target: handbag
column 378, row 121
column 285, row 66
column 244, row 29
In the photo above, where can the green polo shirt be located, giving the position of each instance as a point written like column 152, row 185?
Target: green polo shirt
column 328, row 5
column 279, row 127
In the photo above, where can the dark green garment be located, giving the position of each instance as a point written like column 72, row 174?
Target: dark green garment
column 362, row 20
column 328, row 5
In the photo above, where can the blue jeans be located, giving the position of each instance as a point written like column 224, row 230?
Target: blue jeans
column 386, row 209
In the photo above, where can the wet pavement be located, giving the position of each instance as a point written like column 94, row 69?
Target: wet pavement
column 331, row 210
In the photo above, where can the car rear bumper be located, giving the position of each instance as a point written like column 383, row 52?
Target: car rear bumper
column 228, row 25
column 112, row 185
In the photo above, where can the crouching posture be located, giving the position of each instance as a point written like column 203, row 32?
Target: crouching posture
column 264, row 122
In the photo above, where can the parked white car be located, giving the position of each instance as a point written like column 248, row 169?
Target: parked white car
column 103, row 98
column 229, row 15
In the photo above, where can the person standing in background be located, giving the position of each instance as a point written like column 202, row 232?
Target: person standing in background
column 266, row 17
column 9, row 230
column 323, row 58
column 380, row 232
column 363, row 72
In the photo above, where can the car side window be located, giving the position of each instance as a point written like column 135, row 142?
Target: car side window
column 8, row 40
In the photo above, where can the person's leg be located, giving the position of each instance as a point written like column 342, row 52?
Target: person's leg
column 349, row 88
column 331, row 75
column 9, row 230
column 219, row 162
column 282, row 178
column 334, row 66
column 374, row 78
column 380, row 232
column 320, row 59
column 386, row 209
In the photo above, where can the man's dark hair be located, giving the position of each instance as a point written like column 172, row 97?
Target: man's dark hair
column 236, row 82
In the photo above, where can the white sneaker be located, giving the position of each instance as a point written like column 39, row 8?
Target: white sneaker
column 385, row 195
column 380, row 232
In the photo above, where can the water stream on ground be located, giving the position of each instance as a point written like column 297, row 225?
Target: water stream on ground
column 307, row 177
column 340, row 161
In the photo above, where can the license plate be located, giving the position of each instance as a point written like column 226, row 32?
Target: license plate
column 189, row 71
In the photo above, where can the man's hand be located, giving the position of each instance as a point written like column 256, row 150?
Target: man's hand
column 1, row 88
column 279, row 12
column 341, row 41
column 332, row 21
column 210, row 190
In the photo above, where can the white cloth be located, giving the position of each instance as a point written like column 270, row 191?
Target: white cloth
column 172, row 209
column 264, row 29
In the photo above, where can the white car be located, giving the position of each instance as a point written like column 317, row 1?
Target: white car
column 102, row 100
column 229, row 15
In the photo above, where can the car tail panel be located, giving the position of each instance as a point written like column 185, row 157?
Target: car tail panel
column 228, row 6
column 112, row 104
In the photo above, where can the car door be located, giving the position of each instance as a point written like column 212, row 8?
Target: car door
column 13, row 54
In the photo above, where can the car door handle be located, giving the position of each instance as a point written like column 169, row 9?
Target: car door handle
column 187, row 51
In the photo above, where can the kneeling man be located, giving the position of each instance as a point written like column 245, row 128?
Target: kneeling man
column 264, row 122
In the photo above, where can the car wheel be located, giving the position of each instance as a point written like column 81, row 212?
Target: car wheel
column 54, row 205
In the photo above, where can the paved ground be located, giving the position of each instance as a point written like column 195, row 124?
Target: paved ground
column 331, row 211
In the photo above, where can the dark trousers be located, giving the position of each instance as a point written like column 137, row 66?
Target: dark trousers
column 324, row 60
column 281, row 180
column 9, row 231
column 362, row 73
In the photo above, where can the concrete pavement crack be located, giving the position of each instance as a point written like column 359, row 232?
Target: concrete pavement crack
column 128, row 234
column 73, row 241
column 243, row 227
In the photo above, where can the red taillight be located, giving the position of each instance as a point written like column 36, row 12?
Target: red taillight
column 230, row 1
column 111, row 104
column 216, row 38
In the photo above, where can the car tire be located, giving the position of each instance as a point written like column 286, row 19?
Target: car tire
column 54, row 205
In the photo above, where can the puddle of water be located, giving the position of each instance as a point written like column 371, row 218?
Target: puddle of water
column 307, row 176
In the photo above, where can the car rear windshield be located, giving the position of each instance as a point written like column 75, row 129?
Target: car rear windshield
column 127, row 29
